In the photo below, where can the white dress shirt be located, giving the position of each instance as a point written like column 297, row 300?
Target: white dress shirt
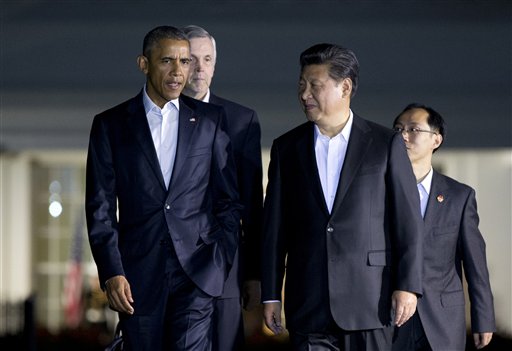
column 424, row 191
column 163, row 123
column 330, row 156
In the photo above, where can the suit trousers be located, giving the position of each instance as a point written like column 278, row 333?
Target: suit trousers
column 228, row 327
column 181, row 322
column 337, row 339
column 411, row 336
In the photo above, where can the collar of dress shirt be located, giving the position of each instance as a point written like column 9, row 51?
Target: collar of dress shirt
column 206, row 97
column 149, row 105
column 426, row 183
column 345, row 132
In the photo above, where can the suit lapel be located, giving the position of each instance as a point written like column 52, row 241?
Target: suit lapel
column 306, row 147
column 187, row 125
column 138, row 123
column 358, row 145
column 436, row 200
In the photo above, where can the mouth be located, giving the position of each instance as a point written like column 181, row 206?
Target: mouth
column 174, row 85
column 308, row 107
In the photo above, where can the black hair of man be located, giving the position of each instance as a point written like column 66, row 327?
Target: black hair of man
column 435, row 120
column 162, row 32
column 342, row 62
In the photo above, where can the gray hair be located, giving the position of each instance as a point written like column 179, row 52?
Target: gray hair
column 193, row 31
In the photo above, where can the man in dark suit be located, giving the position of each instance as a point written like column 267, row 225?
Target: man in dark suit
column 244, row 130
column 452, row 242
column 341, row 218
column 165, row 160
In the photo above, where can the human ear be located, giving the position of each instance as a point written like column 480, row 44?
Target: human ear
column 438, row 140
column 346, row 88
column 142, row 62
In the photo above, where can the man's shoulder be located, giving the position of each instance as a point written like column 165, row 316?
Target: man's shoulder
column 304, row 130
column 200, row 107
column 231, row 106
column 121, row 110
column 451, row 183
column 372, row 127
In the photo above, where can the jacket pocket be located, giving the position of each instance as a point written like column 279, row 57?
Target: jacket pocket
column 452, row 298
column 199, row 151
column 379, row 258
column 444, row 230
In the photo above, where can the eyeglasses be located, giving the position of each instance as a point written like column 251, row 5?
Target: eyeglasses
column 413, row 130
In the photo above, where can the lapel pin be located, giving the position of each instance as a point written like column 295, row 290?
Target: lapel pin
column 440, row 198
column 192, row 119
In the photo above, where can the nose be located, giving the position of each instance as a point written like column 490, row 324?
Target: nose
column 405, row 134
column 176, row 69
column 304, row 93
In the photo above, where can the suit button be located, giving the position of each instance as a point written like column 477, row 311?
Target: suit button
column 330, row 229
column 167, row 206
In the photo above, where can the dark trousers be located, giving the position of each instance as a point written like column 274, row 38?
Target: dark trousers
column 337, row 339
column 181, row 322
column 411, row 336
column 228, row 327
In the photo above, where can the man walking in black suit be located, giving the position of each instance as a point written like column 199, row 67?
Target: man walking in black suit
column 452, row 245
column 341, row 219
column 165, row 161
column 244, row 130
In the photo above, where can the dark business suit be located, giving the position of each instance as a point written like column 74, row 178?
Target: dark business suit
column 194, row 225
column 341, row 267
column 244, row 130
column 452, row 242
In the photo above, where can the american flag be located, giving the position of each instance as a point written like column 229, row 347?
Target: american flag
column 73, row 282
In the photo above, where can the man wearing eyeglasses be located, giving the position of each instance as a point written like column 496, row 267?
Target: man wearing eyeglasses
column 452, row 242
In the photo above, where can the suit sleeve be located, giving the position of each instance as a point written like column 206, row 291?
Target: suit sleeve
column 100, row 203
column 406, row 222
column 251, row 195
column 225, row 200
column 273, row 241
column 472, row 246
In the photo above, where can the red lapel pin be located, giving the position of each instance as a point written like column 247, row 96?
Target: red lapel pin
column 440, row 198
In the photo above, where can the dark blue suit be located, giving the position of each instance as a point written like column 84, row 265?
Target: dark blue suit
column 191, row 228
column 244, row 130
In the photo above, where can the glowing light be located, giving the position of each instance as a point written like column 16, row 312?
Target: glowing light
column 55, row 209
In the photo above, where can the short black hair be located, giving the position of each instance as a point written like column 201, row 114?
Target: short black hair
column 434, row 120
column 342, row 62
column 159, row 33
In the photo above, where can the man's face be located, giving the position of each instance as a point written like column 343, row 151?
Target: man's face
column 320, row 96
column 419, row 139
column 202, row 67
column 166, row 70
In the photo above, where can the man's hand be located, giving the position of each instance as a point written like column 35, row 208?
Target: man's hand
column 482, row 339
column 119, row 294
column 403, row 304
column 272, row 316
column 251, row 294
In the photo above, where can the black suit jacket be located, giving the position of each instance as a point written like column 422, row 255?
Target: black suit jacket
column 344, row 264
column 452, row 242
column 244, row 130
column 199, row 212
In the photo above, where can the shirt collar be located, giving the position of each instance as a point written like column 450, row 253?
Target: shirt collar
column 149, row 105
column 426, row 183
column 345, row 132
column 207, row 96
